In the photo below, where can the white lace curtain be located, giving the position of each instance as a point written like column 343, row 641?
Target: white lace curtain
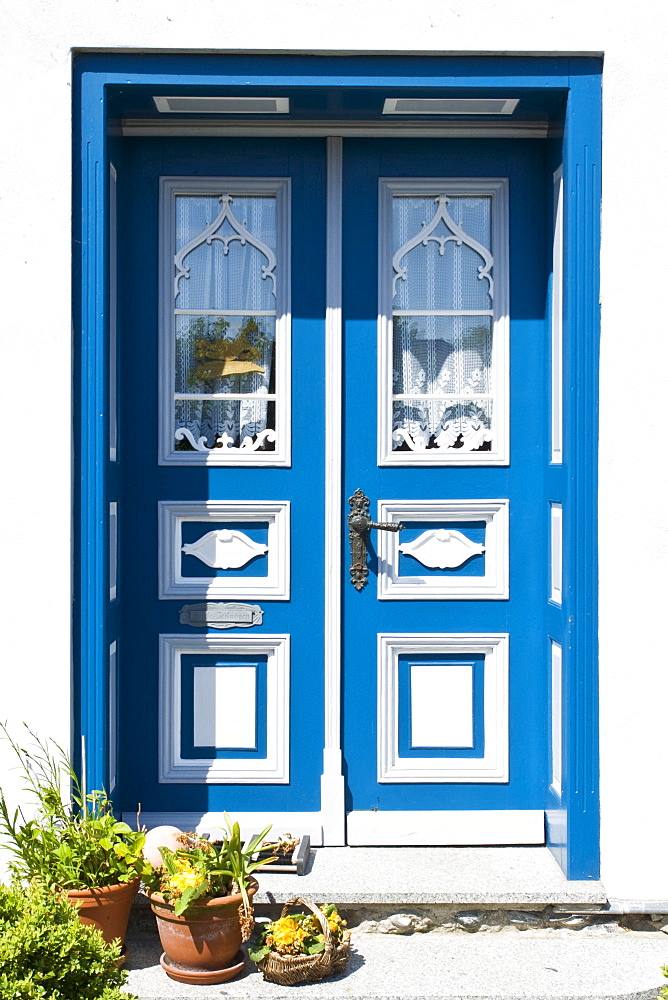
column 436, row 355
column 224, row 291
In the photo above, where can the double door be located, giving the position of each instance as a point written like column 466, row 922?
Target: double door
column 314, row 329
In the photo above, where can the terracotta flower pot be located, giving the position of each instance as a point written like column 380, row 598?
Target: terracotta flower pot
column 206, row 938
column 107, row 908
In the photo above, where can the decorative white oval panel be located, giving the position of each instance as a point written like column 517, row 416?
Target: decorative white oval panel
column 226, row 548
column 441, row 549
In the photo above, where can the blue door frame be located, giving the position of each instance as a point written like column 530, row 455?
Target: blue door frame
column 573, row 817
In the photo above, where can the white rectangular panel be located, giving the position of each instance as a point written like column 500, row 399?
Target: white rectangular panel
column 493, row 765
column 112, row 720
column 216, row 690
column 445, row 828
column 113, row 316
column 273, row 584
column 557, row 318
column 557, row 736
column 272, row 768
column 556, row 550
column 441, row 705
column 113, row 549
column 418, row 586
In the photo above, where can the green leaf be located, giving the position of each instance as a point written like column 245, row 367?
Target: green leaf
column 256, row 841
column 122, row 828
column 315, row 949
column 257, row 954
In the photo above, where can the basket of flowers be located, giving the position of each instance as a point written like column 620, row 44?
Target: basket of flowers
column 302, row 947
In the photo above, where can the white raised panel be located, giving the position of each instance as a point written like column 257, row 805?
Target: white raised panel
column 113, row 549
column 557, row 720
column 112, row 719
column 493, row 584
column 224, row 707
column 444, row 827
column 113, row 315
column 273, row 585
column 493, row 271
column 492, row 767
column 556, row 552
column 174, row 768
column 557, row 408
column 276, row 271
column 441, row 705
column 280, row 820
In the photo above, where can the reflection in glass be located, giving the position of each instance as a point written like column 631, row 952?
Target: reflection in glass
column 442, row 354
column 225, row 354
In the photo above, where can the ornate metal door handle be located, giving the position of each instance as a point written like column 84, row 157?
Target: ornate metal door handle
column 359, row 525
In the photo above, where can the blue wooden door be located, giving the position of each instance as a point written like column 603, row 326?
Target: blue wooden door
column 223, row 504
column 445, row 688
column 225, row 646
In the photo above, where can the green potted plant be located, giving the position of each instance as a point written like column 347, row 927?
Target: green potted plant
column 73, row 843
column 46, row 953
column 302, row 947
column 201, row 894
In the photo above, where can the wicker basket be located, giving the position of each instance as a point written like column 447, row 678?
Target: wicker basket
column 290, row 969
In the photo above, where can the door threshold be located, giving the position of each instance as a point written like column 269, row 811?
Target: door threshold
column 502, row 877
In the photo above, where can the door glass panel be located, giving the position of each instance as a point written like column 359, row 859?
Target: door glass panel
column 438, row 355
column 439, row 328
column 218, row 267
column 226, row 364
column 434, row 268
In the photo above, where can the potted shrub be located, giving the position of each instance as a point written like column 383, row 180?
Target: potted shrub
column 201, row 894
column 46, row 953
column 73, row 843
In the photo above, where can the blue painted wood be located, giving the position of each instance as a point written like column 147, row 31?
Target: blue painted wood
column 124, row 81
column 523, row 164
column 92, row 646
column 147, row 483
column 582, row 187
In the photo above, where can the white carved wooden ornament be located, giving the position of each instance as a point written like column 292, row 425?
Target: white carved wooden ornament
column 225, row 549
column 456, row 235
column 441, row 549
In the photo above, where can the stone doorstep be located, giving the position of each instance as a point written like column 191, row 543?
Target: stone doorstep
column 506, row 877
column 458, row 887
column 591, row 964
column 539, row 936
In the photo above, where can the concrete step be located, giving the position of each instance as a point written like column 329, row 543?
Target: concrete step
column 509, row 888
column 596, row 963
column 472, row 876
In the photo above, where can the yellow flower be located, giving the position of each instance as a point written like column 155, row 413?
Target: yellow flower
column 185, row 878
column 287, row 935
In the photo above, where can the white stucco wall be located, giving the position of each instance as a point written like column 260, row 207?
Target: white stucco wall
column 37, row 36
